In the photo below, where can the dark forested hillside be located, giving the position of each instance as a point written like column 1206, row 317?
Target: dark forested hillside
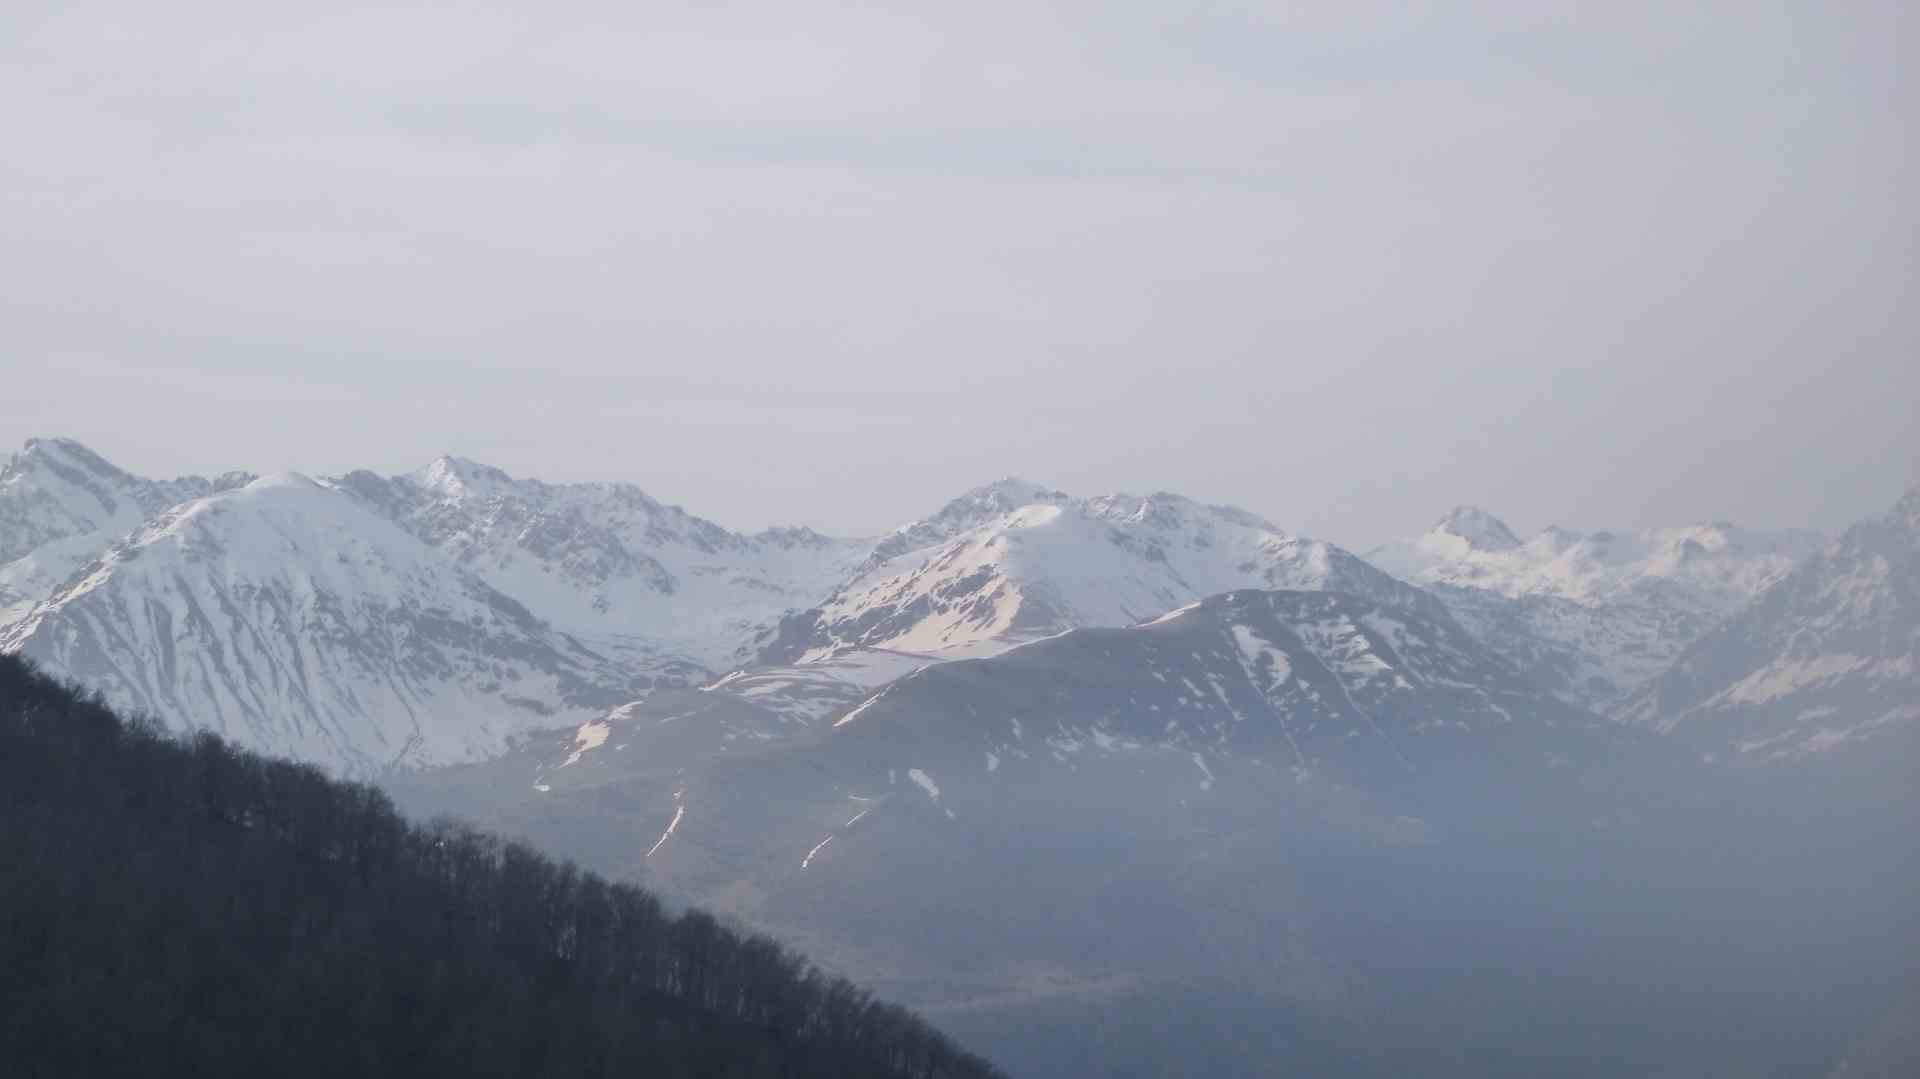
column 171, row 908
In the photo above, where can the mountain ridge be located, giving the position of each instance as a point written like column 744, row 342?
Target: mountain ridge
column 1596, row 614
column 287, row 614
column 1828, row 656
column 1013, row 561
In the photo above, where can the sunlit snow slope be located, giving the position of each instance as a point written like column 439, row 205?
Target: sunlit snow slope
column 611, row 564
column 290, row 616
column 1013, row 562
column 61, row 504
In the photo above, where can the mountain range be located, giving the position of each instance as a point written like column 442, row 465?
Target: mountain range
column 1593, row 615
column 1034, row 750
column 1827, row 657
column 542, row 603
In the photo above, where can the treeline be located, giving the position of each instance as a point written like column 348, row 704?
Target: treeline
column 180, row 907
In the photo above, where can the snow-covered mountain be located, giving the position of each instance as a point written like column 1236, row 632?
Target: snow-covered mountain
column 612, row 594
column 1592, row 615
column 61, row 504
column 288, row 615
column 1828, row 656
column 1013, row 562
column 608, row 562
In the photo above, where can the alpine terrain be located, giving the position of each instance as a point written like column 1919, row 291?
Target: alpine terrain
column 1827, row 657
column 61, row 504
column 1592, row 616
column 1013, row 561
column 608, row 562
column 1040, row 761
column 288, row 616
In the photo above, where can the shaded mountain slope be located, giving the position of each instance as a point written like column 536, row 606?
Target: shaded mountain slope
column 1456, row 874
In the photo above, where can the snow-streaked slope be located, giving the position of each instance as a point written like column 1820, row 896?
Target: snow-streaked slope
column 1013, row 562
column 1301, row 677
column 1594, row 615
column 920, row 814
column 291, row 618
column 1829, row 656
column 61, row 504
column 610, row 563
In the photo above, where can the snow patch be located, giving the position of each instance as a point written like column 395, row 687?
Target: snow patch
column 924, row 782
column 808, row 860
column 679, row 811
column 1201, row 763
column 589, row 737
column 864, row 705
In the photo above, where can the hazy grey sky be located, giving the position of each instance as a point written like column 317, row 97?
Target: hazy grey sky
column 1345, row 264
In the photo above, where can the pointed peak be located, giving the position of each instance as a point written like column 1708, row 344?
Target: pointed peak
column 790, row 537
column 457, row 475
column 298, row 481
column 1245, row 518
column 1012, row 491
column 1001, row 496
column 70, row 453
column 1482, row 530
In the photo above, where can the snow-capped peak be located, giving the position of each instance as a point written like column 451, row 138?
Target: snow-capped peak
column 1612, row 609
column 66, row 453
column 288, row 614
column 608, row 562
column 1012, row 491
column 1828, row 655
column 970, row 510
column 1480, row 530
column 61, row 504
column 457, row 477
column 1004, row 564
column 298, row 481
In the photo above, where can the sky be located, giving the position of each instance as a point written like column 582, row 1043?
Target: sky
column 1347, row 265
